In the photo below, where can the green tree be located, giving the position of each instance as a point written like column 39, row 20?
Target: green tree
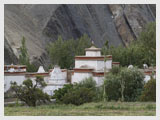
column 112, row 87
column 82, row 43
column 30, row 93
column 106, row 47
column 124, row 84
column 62, row 52
column 112, row 84
column 132, row 82
column 148, row 42
column 141, row 51
column 24, row 57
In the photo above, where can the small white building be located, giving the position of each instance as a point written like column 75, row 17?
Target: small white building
column 92, row 64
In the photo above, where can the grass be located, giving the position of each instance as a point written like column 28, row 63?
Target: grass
column 88, row 109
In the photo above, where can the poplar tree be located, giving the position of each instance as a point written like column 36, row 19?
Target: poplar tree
column 24, row 57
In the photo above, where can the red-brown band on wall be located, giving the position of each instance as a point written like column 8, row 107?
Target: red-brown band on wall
column 14, row 73
column 6, row 68
column 98, row 73
column 92, row 58
column 148, row 72
column 36, row 74
column 82, row 70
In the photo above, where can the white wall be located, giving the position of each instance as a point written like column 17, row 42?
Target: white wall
column 57, row 81
column 46, row 79
column 99, row 80
column 78, row 77
column 93, row 53
column 79, row 63
column 100, row 65
column 96, row 64
column 109, row 64
column 14, row 78
column 49, row 89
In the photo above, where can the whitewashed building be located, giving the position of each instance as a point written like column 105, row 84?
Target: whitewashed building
column 91, row 65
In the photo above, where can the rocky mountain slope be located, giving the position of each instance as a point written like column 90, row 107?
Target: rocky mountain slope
column 41, row 24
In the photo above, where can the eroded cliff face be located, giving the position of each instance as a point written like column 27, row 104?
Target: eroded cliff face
column 131, row 19
column 41, row 24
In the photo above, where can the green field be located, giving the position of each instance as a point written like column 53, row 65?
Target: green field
column 88, row 109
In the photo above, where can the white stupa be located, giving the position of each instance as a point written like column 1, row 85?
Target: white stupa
column 11, row 70
column 41, row 70
column 130, row 66
column 57, row 79
column 57, row 76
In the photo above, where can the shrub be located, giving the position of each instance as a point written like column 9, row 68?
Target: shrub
column 58, row 94
column 30, row 93
column 87, row 83
column 90, row 84
column 115, row 70
column 149, row 93
column 79, row 96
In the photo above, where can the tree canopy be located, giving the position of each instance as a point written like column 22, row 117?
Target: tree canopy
column 139, row 52
column 24, row 57
column 62, row 52
column 124, row 84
